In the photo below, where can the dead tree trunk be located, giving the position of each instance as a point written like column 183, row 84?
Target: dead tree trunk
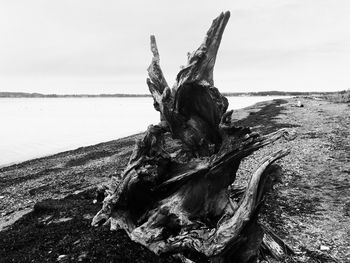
column 174, row 194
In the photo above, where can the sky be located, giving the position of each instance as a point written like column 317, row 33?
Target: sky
column 85, row 46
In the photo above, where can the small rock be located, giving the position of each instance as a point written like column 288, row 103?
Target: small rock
column 61, row 257
column 82, row 256
column 324, row 248
column 78, row 192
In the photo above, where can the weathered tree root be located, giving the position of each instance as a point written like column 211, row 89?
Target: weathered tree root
column 174, row 195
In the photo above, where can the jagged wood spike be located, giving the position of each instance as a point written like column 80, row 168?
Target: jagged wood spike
column 202, row 61
column 154, row 71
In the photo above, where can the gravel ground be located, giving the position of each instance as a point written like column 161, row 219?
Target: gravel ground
column 310, row 207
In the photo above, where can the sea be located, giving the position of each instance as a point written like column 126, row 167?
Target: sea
column 37, row 127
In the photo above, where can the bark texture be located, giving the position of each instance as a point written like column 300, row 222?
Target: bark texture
column 176, row 194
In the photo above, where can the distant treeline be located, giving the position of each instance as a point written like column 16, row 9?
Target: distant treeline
column 276, row 93
column 228, row 94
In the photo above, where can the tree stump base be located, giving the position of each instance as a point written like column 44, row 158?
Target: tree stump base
column 176, row 194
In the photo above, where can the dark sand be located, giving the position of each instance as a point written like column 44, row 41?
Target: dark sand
column 310, row 207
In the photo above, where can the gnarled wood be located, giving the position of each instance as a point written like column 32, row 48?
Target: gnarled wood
column 174, row 196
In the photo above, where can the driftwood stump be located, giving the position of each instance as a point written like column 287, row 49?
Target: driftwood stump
column 176, row 193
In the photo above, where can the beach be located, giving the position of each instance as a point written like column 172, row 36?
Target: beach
column 52, row 197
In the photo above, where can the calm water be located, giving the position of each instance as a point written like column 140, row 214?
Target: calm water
column 35, row 127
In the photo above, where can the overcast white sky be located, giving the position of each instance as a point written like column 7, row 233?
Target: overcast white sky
column 85, row 46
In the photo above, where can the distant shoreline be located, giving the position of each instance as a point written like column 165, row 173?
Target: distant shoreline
column 119, row 95
column 39, row 95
